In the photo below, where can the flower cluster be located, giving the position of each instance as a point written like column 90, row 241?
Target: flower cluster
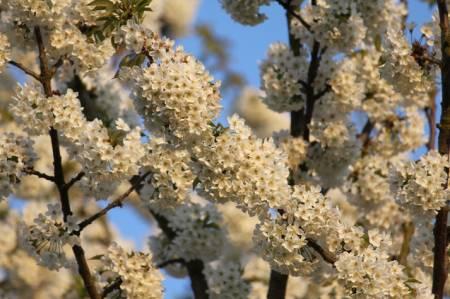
column 282, row 243
column 346, row 25
column 245, row 11
column 372, row 275
column 241, row 168
column 139, row 279
column 46, row 238
column 281, row 76
column 424, row 183
column 175, row 94
column 284, row 240
column 171, row 176
column 59, row 23
column 16, row 154
column 225, row 281
column 369, row 189
column 103, row 159
column 196, row 234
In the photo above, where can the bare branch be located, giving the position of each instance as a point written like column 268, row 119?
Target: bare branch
column 39, row 174
column 73, row 180
column 25, row 69
column 170, row 262
column 292, row 12
column 113, row 204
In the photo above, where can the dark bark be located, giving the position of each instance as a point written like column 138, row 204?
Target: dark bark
column 440, row 264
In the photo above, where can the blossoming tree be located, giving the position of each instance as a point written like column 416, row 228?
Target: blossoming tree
column 335, row 207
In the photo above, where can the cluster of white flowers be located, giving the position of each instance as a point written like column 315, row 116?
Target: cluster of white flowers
column 424, row 183
column 59, row 22
column 411, row 79
column 281, row 73
column 22, row 276
column 241, row 168
column 84, row 56
column 346, row 25
column 283, row 240
column 46, row 238
column 369, row 189
column 372, row 275
column 225, row 281
column 282, row 243
column 139, row 279
column 197, row 234
column 16, row 154
column 175, row 94
column 88, row 142
column 296, row 149
column 171, row 176
column 4, row 51
column 245, row 11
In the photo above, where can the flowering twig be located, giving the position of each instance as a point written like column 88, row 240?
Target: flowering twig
column 25, row 69
column 45, row 79
column 118, row 202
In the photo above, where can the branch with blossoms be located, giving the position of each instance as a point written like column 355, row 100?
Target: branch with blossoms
column 46, row 76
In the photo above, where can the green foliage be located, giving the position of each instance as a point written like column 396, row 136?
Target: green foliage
column 114, row 15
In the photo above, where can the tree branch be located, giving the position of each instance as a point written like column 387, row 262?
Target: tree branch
column 291, row 11
column 277, row 285
column 73, row 180
column 112, row 287
column 328, row 257
column 113, row 204
column 45, row 79
column 31, row 171
column 25, row 69
column 170, row 262
column 195, row 268
column 440, row 263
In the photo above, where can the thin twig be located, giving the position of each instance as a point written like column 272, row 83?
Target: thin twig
column 292, row 12
column 170, row 262
column 39, row 174
column 25, row 69
column 73, row 180
column 113, row 204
